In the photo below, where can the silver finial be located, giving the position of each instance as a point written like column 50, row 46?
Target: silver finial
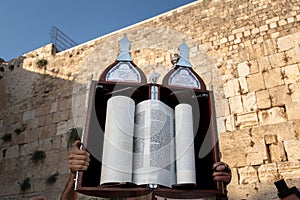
column 124, row 49
column 154, row 89
column 184, row 56
column 154, row 77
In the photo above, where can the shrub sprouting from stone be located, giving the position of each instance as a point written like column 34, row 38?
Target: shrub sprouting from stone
column 73, row 135
column 7, row 137
column 51, row 179
column 25, row 185
column 38, row 155
column 42, row 63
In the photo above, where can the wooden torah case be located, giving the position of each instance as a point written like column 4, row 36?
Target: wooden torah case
column 88, row 182
column 204, row 140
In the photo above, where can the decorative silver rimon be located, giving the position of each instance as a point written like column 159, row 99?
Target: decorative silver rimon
column 182, row 74
column 184, row 56
column 124, row 49
column 154, row 88
column 124, row 70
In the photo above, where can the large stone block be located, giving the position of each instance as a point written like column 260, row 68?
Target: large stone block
column 292, row 148
column 222, row 107
column 235, row 176
column 294, row 89
column 271, row 139
column 256, row 82
column 53, row 107
column 292, row 55
column 47, row 131
column 253, row 66
column 243, row 69
column 249, row 102
column 236, row 105
column 243, row 86
column 12, row 152
column 230, row 123
column 56, row 143
column 293, row 110
column 277, row 60
column 288, row 42
column 269, row 46
column 231, row 88
column 247, row 191
column 248, row 175
column 221, row 124
column 264, row 64
column 280, row 95
column 229, row 141
column 272, row 116
column 273, row 78
column 289, row 169
column 28, row 115
column 28, row 135
column 276, row 152
column 291, row 74
column 263, row 99
column 42, row 121
column 268, row 172
column 246, row 120
column 254, row 152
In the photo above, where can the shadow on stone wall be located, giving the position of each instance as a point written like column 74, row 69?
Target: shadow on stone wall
column 35, row 118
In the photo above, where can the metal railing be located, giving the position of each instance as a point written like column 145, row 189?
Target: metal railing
column 61, row 40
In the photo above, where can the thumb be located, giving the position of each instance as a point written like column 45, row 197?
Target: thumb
column 77, row 144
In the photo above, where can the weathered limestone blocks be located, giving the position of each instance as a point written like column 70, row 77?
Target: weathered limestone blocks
column 246, row 120
column 268, row 172
column 293, row 110
column 292, row 149
column 272, row 116
column 248, row 175
column 289, row 170
column 288, row 42
column 263, row 99
column 270, row 150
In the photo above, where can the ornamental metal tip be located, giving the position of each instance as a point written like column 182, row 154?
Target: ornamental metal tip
column 124, row 49
column 154, row 77
column 184, row 55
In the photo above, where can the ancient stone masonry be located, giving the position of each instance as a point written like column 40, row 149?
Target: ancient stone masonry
column 248, row 49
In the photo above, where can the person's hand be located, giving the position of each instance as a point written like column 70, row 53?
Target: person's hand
column 78, row 159
column 222, row 172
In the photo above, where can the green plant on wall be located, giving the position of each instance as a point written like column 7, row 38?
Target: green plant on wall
column 38, row 155
column 73, row 135
column 20, row 129
column 42, row 63
column 6, row 137
column 51, row 179
column 25, row 185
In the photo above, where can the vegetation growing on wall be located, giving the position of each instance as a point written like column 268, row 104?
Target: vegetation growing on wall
column 51, row 179
column 42, row 63
column 73, row 135
column 25, row 185
column 20, row 129
column 38, row 155
column 6, row 137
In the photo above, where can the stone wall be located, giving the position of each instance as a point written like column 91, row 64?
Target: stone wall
column 249, row 51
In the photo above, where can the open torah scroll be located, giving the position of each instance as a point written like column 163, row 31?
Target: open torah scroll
column 148, row 143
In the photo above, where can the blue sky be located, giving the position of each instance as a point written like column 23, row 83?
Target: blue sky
column 25, row 24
